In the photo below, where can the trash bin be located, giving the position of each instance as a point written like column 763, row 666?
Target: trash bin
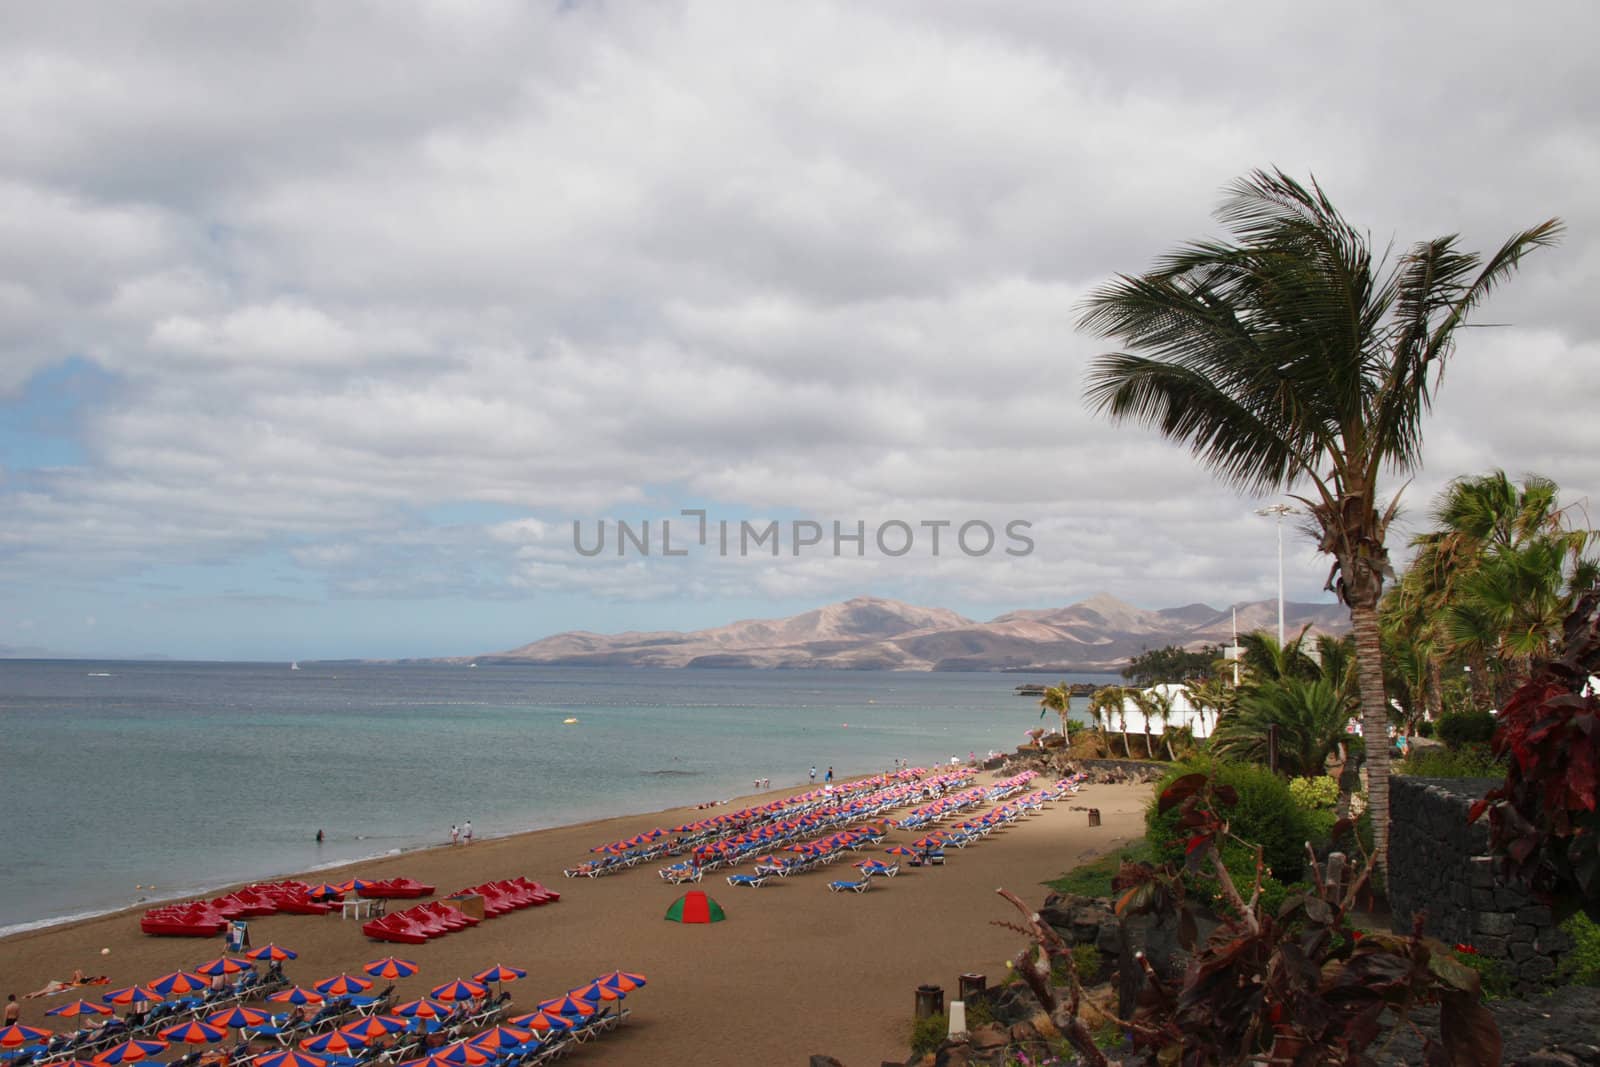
column 1094, row 816
column 930, row 1001
column 972, row 987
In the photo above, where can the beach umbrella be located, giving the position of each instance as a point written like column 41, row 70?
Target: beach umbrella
column 423, row 1007
column 79, row 1007
column 295, row 995
column 325, row 890
column 596, row 991
column 438, row 1059
column 500, row 973
column 501, row 1037
column 542, row 1021
column 133, row 994
column 16, row 1034
column 353, row 885
column 179, row 982
column 390, row 968
column 900, row 850
column 372, row 1026
column 461, row 1054
column 269, row 953
column 193, row 1033
column 334, row 1042
column 567, row 1005
column 460, row 989
column 224, row 965
column 130, row 1052
column 627, row 981
column 695, row 907
column 289, row 1058
column 238, row 1017
column 342, row 985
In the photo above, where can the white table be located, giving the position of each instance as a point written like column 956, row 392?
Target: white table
column 360, row 908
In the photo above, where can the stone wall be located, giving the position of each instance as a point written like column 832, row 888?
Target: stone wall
column 1439, row 863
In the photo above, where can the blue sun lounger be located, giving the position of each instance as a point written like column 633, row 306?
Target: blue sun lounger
column 846, row 886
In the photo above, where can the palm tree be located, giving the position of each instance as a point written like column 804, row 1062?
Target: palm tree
column 1310, row 717
column 1293, row 358
column 1156, row 704
column 1107, row 701
column 1058, row 698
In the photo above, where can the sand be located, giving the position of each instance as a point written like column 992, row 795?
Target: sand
column 795, row 969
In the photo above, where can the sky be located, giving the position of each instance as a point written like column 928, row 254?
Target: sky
column 323, row 324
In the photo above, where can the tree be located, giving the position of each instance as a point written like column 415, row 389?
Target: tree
column 1109, row 701
column 1170, row 664
column 1310, row 717
column 1156, row 706
column 1058, row 698
column 1291, row 357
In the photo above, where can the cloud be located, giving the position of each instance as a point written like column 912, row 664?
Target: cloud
column 349, row 267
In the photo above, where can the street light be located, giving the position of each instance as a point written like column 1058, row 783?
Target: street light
column 1279, row 510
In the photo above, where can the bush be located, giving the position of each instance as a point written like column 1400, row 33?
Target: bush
column 1467, row 728
column 1265, row 815
column 1314, row 794
column 1425, row 728
column 1093, row 879
column 928, row 1034
column 1468, row 761
column 1492, row 975
column 1582, row 964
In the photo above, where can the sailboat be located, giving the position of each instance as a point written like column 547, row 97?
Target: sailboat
column 294, row 666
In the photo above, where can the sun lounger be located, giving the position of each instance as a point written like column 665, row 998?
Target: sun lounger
column 752, row 880
column 844, row 886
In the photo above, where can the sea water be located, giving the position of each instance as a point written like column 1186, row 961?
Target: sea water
column 142, row 781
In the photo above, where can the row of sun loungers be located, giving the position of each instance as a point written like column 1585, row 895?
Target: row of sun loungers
column 423, row 922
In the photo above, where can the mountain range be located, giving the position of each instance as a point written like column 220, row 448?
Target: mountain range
column 871, row 633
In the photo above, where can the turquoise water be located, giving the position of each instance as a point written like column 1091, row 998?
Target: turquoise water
column 187, row 775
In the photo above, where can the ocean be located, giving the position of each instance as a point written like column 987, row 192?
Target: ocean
column 142, row 781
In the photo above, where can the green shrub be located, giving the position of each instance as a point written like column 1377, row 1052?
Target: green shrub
column 1466, row 728
column 1425, row 728
column 1315, row 794
column 928, row 1034
column 1582, row 965
column 1093, row 879
column 1266, row 815
column 979, row 1013
column 1471, row 760
column 1492, row 974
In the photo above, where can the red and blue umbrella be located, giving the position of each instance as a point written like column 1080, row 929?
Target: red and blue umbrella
column 271, row 953
column 130, row 1052
column 79, row 1007
column 179, row 982
column 133, row 994
column 596, row 992
column 295, row 995
column 500, row 973
column 567, row 1005
column 193, row 1033
column 238, row 1017
column 460, row 989
column 16, row 1035
column 289, row 1058
column 461, row 1054
column 501, row 1037
column 325, row 890
column 423, row 1007
column 224, row 965
column 627, row 981
column 542, row 1021
column 390, row 968
column 372, row 1026
column 341, row 985
column 333, row 1042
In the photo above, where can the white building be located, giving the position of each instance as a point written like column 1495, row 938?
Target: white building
column 1185, row 712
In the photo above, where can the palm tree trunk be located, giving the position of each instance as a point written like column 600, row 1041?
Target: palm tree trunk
column 1374, row 723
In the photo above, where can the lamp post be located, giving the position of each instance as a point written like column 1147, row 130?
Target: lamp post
column 1279, row 510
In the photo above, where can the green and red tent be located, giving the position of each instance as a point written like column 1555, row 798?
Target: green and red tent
column 695, row 907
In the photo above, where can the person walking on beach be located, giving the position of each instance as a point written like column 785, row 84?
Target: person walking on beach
column 455, row 834
column 13, row 1009
column 813, row 776
column 466, row 832
column 829, row 778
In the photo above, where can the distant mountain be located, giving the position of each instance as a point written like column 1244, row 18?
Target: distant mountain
column 870, row 633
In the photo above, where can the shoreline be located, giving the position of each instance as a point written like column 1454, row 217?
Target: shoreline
column 795, row 969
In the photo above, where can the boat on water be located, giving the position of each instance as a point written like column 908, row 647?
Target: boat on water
column 568, row 722
column 294, row 666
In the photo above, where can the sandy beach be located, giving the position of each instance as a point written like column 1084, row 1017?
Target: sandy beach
column 794, row 970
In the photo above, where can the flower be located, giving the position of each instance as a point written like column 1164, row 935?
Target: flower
column 1466, row 949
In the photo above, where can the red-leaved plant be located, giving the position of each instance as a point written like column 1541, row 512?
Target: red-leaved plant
column 1543, row 821
column 1297, row 987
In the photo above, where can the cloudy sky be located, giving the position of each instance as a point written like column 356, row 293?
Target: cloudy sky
column 321, row 324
